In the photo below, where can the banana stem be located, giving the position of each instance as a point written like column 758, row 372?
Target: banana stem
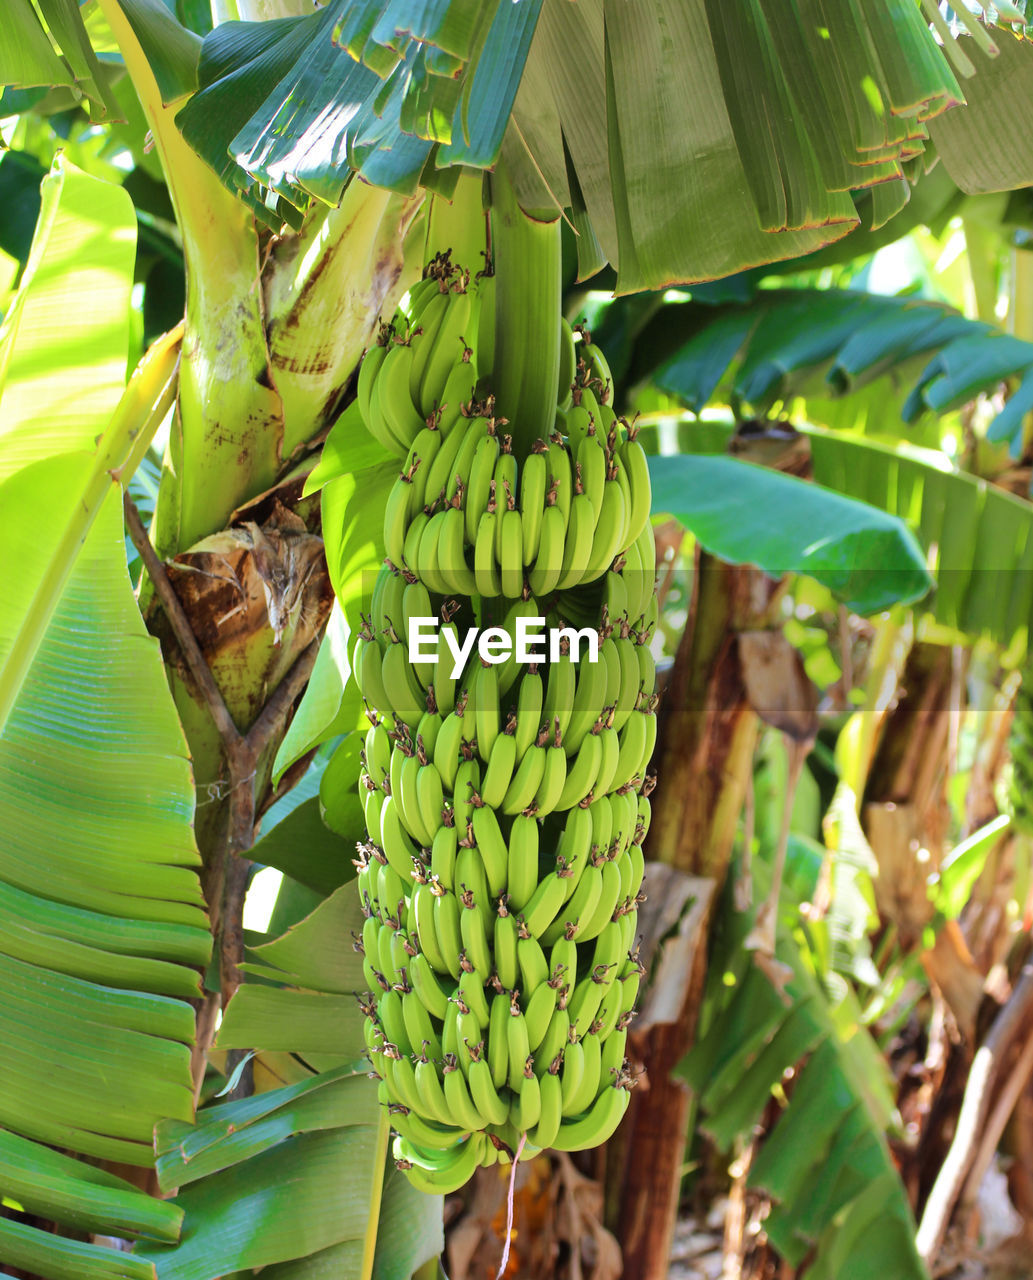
column 459, row 224
column 230, row 415
column 528, row 303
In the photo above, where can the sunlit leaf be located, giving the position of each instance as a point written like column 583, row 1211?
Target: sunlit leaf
column 749, row 515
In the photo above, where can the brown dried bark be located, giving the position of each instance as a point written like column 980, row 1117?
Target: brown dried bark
column 708, row 735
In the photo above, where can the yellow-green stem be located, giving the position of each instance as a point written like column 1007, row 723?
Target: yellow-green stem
column 459, row 224
column 528, row 302
column 231, row 418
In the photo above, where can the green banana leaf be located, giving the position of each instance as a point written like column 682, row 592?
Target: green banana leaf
column 980, row 558
column 975, row 150
column 70, row 315
column 28, row 56
column 653, row 180
column 104, row 927
column 104, row 931
column 312, row 1153
column 65, row 425
column 749, row 515
column 825, row 1164
column 823, row 344
column 354, row 475
column 296, row 1182
column 953, row 883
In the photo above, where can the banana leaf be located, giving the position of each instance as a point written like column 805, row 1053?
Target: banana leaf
column 648, row 136
column 747, row 514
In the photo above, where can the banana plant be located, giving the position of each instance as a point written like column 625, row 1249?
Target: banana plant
column 290, row 261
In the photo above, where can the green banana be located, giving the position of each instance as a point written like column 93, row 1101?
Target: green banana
column 447, row 748
column 532, row 501
column 596, row 1125
column 473, row 931
column 450, row 346
column 522, row 862
column 544, row 903
column 422, row 1132
column 471, row 878
column 398, row 848
column 579, row 544
column 596, row 362
column 368, row 370
column 548, row 563
column 554, row 775
column 457, row 1097
column 586, row 1088
column 497, row 1048
column 511, row 562
column 591, row 458
column 590, row 695
column 486, row 571
column 396, row 407
column 561, row 478
column 518, row 1046
column 550, row 1114
column 499, row 774
column 528, row 711
column 609, row 756
column 414, row 536
column 482, row 472
column 492, row 848
column 451, row 557
column 445, row 921
column 525, row 781
column 484, row 1094
column 419, row 1026
column 484, row 694
column 428, row 986
column 504, row 946
column 437, row 1176
column 636, row 468
column 560, row 692
column 538, row 1012
column 581, row 774
column 556, row 1037
column 609, row 532
column 425, row 928
column 527, row 1108
column 457, row 398
column 408, row 699
column 426, row 312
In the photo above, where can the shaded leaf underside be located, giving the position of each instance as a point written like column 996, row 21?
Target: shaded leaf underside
column 639, row 119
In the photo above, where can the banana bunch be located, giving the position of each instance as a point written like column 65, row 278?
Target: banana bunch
column 506, row 802
column 466, row 516
column 1020, row 748
column 415, row 384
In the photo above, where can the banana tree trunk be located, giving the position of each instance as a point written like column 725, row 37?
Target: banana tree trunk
column 707, row 740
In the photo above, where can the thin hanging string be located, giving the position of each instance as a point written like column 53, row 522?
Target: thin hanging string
column 509, row 1208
